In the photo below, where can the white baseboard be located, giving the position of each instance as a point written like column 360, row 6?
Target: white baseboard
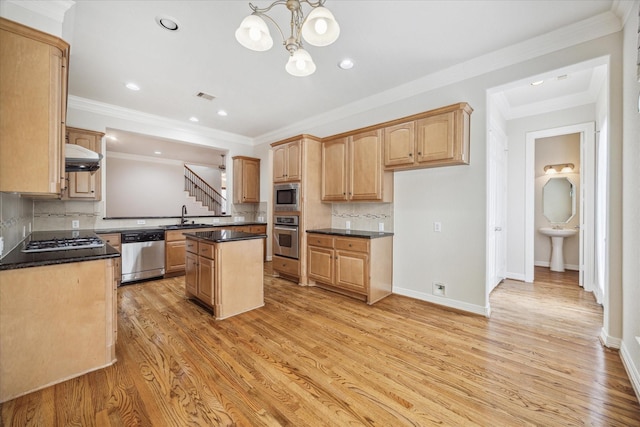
column 548, row 264
column 447, row 302
column 515, row 276
column 609, row 341
column 632, row 370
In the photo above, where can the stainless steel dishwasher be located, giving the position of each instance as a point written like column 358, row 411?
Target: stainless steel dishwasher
column 142, row 255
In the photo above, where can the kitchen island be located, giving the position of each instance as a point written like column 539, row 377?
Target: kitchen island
column 224, row 271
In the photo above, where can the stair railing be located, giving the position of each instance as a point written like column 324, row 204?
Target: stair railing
column 203, row 192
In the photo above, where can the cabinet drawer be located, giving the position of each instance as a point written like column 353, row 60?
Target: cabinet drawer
column 320, row 240
column 286, row 265
column 359, row 245
column 191, row 246
column 173, row 235
column 205, row 250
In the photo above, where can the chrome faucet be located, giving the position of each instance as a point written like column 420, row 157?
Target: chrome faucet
column 184, row 212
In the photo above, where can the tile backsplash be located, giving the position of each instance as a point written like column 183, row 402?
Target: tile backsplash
column 16, row 217
column 362, row 216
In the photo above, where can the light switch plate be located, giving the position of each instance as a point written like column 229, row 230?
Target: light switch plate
column 347, row 225
column 437, row 227
column 75, row 223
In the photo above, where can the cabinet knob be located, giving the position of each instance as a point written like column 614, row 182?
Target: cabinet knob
column 410, row 154
column 419, row 153
column 349, row 244
column 336, row 257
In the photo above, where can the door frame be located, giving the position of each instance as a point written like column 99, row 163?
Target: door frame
column 587, row 205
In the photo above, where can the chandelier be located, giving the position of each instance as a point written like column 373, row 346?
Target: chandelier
column 318, row 28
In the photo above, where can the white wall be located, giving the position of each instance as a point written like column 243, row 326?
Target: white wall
column 140, row 187
column 549, row 151
column 516, row 133
column 630, row 348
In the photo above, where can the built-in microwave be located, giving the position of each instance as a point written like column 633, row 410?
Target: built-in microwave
column 286, row 197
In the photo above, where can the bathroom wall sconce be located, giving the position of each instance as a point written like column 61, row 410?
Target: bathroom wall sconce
column 560, row 168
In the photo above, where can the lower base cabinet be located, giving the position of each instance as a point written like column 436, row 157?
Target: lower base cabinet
column 357, row 267
column 227, row 276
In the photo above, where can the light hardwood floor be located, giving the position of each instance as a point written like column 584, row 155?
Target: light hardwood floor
column 311, row 357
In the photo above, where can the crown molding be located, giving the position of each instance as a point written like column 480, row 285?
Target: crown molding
column 109, row 110
column 622, row 9
column 586, row 30
column 52, row 9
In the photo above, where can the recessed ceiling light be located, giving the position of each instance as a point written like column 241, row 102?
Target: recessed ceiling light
column 132, row 86
column 346, row 64
column 167, row 23
column 222, row 113
column 157, row 152
column 194, row 119
column 562, row 77
column 537, row 83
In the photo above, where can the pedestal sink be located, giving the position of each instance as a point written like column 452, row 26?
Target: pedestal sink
column 557, row 241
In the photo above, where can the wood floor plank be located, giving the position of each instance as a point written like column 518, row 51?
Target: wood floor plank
column 311, row 357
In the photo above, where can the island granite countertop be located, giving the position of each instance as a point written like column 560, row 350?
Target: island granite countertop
column 18, row 259
column 351, row 233
column 221, row 236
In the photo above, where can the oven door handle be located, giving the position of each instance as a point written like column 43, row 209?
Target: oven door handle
column 285, row 227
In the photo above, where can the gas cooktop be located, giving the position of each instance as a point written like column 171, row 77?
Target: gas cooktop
column 62, row 244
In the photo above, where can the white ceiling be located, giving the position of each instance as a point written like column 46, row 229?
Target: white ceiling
column 391, row 43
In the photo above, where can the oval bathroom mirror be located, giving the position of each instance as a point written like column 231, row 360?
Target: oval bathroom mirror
column 559, row 200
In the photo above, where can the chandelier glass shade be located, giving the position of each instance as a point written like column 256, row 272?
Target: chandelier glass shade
column 318, row 28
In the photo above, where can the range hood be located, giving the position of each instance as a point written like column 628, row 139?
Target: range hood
column 80, row 159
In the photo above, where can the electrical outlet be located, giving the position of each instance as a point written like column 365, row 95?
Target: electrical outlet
column 437, row 227
column 347, row 225
column 216, row 220
column 75, row 224
column 439, row 289
column 141, row 222
column 381, row 226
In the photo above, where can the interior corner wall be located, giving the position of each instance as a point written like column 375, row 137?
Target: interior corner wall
column 630, row 348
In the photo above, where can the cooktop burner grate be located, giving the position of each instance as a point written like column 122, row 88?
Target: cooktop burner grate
column 63, row 244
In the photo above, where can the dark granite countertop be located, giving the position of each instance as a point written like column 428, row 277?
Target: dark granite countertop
column 351, row 233
column 224, row 236
column 172, row 227
column 18, row 259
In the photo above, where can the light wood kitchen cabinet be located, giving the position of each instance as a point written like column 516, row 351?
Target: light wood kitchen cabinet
column 354, row 266
column 33, row 96
column 287, row 160
column 435, row 138
column 246, row 179
column 115, row 241
column 226, row 276
column 199, row 275
column 84, row 185
column 352, row 169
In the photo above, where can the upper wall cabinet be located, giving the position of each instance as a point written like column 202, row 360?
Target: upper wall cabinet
column 287, row 159
column 246, row 179
column 33, row 96
column 84, row 185
column 352, row 169
column 435, row 138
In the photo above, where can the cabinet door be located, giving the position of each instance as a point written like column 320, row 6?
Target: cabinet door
column 334, row 170
column 320, row 264
column 435, row 138
column 365, row 160
column 32, row 110
column 84, row 185
column 191, row 273
column 279, row 163
column 205, row 280
column 294, row 161
column 352, row 271
column 246, row 180
column 399, row 144
column 175, row 256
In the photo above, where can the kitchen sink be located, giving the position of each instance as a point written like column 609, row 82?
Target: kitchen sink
column 181, row 226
